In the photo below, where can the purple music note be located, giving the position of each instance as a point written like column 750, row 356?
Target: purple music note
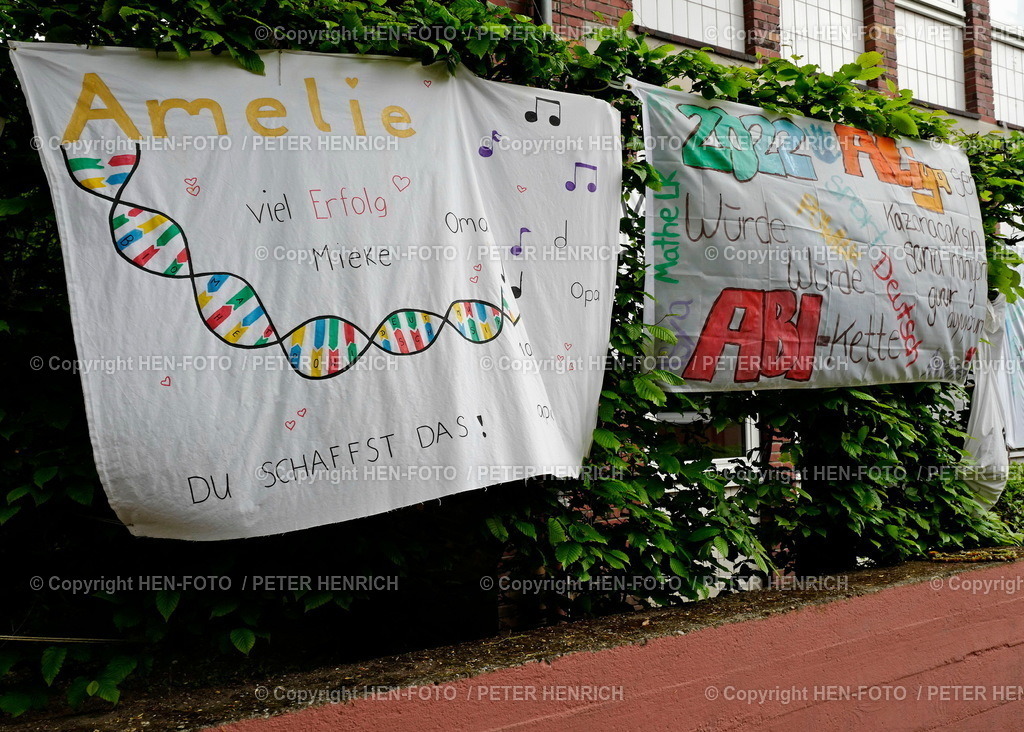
column 487, row 149
column 570, row 185
column 555, row 119
column 518, row 248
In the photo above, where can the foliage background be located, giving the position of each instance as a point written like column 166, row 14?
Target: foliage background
column 670, row 515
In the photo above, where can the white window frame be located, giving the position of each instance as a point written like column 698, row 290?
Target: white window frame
column 1001, row 34
column 941, row 10
column 933, row 10
column 725, row 44
column 1008, row 34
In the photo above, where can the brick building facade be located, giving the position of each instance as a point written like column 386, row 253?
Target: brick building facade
column 959, row 55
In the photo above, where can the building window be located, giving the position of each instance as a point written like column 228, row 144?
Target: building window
column 1008, row 15
column 715, row 22
column 1008, row 77
column 930, row 54
column 947, row 6
column 730, row 444
column 824, row 32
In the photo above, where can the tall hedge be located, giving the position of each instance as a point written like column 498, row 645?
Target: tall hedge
column 668, row 515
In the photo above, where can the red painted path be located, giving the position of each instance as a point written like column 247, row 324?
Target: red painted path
column 945, row 654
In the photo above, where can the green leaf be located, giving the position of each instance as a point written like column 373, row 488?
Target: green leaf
column 868, row 59
column 10, row 206
column 166, row 602
column 76, row 692
column 16, row 493
column 568, row 553
column 704, row 532
column 223, row 608
column 248, row 60
column 904, row 123
column 478, row 46
column 497, row 528
column 52, row 660
column 316, row 599
column 647, row 389
column 81, row 493
column 108, row 692
column 871, row 73
column 43, row 475
column 243, row 639
column 526, row 528
column 606, row 438
column 16, row 703
column 556, row 533
column 181, row 49
column 117, row 670
column 661, row 333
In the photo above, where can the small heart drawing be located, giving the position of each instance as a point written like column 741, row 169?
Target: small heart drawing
column 521, row 189
column 301, row 412
column 474, row 279
column 567, row 346
column 560, row 357
column 192, row 190
column 191, row 181
column 400, row 182
column 427, row 83
column 351, row 81
column 478, row 267
column 166, row 381
column 290, row 424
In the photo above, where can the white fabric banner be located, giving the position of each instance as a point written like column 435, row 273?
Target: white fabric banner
column 986, row 426
column 797, row 253
column 349, row 285
column 1013, row 358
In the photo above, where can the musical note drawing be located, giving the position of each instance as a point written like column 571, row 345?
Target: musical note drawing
column 517, row 292
column 518, row 248
column 487, row 149
column 570, row 185
column 555, row 119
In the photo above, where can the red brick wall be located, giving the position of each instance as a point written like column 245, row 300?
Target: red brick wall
column 880, row 36
column 762, row 21
column 978, row 60
column 577, row 13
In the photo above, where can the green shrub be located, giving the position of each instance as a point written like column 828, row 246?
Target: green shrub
column 55, row 519
column 1010, row 506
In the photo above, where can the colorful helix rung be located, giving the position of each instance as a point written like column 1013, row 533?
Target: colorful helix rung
column 324, row 346
column 149, row 240
column 477, row 321
column 405, row 332
column 230, row 308
column 84, row 170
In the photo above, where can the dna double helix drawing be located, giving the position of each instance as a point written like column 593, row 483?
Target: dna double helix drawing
column 321, row 347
